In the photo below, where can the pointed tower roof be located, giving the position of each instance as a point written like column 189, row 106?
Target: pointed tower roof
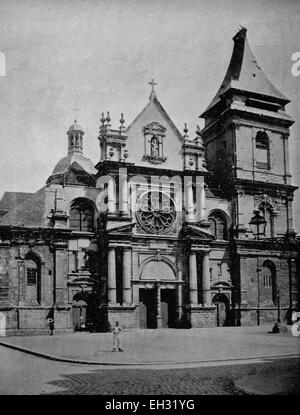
column 244, row 74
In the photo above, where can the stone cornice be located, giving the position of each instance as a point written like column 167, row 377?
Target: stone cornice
column 264, row 185
column 32, row 236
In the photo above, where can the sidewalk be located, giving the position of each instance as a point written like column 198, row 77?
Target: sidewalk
column 161, row 347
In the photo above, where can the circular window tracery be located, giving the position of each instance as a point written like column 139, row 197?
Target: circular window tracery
column 156, row 211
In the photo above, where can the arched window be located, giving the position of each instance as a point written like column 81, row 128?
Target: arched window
column 33, row 279
column 218, row 225
column 262, row 150
column 82, row 216
column 268, row 282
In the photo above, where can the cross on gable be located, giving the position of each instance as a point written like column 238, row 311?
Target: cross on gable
column 152, row 83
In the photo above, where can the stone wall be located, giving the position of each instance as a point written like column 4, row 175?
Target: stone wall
column 198, row 316
column 125, row 315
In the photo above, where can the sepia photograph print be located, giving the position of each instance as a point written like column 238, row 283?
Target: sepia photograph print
column 149, row 201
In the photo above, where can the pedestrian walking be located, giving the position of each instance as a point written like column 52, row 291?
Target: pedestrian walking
column 82, row 324
column 50, row 320
column 117, row 343
column 51, row 325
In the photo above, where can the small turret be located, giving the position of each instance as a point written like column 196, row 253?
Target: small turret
column 75, row 138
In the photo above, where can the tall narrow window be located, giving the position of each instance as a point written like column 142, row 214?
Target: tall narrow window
column 33, row 279
column 218, row 225
column 262, row 150
column 31, row 276
column 82, row 216
column 268, row 282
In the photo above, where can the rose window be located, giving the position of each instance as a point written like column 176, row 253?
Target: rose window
column 156, row 212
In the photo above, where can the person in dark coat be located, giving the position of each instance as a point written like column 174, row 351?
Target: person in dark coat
column 50, row 320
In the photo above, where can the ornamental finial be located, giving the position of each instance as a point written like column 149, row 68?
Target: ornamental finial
column 122, row 121
column 185, row 130
column 108, row 119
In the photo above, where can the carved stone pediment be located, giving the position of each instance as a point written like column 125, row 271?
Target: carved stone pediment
column 195, row 231
column 154, row 128
column 124, row 229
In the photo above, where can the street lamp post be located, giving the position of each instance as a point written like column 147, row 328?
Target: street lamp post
column 257, row 225
column 278, row 307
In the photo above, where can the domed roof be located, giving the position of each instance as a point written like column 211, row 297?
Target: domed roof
column 75, row 127
column 63, row 165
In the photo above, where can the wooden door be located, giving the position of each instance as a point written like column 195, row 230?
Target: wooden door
column 148, row 308
column 76, row 317
column 221, row 314
column 168, row 307
column 164, row 307
column 222, row 309
column 143, row 315
column 79, row 315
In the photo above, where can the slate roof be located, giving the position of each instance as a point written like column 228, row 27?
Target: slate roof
column 30, row 213
column 11, row 199
column 64, row 164
column 244, row 74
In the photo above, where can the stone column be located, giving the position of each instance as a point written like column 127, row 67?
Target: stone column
column 111, row 280
column 22, row 282
column 158, row 299
column 43, row 282
column 200, row 198
column 193, row 278
column 206, row 279
column 189, row 199
column 202, row 201
column 127, row 276
column 289, row 212
column 111, row 199
column 60, row 273
column 123, row 190
column 179, row 300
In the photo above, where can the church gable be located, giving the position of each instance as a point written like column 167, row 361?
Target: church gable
column 153, row 138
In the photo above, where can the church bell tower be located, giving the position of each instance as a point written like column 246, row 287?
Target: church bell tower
column 246, row 136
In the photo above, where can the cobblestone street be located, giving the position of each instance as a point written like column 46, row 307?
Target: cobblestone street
column 197, row 381
column 23, row 374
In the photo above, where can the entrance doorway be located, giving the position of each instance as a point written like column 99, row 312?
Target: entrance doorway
column 79, row 315
column 222, row 309
column 168, row 307
column 147, row 308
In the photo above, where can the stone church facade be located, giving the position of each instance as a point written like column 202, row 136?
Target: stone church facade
column 157, row 234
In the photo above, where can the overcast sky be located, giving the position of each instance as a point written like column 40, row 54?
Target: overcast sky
column 100, row 55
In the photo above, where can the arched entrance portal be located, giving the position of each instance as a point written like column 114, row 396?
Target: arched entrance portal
column 222, row 309
column 157, row 293
column 84, row 311
column 79, row 307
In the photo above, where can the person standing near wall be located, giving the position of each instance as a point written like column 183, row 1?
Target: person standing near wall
column 117, row 343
